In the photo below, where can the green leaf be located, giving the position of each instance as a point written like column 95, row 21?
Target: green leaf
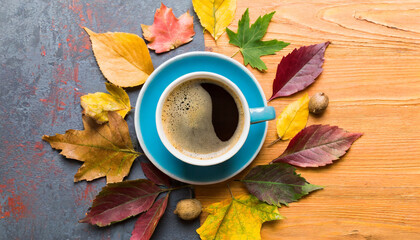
column 248, row 39
column 277, row 184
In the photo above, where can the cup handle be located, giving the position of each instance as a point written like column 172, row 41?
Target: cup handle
column 262, row 114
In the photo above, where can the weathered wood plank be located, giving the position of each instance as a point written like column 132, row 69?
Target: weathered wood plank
column 372, row 76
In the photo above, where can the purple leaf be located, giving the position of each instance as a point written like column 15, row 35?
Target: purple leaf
column 155, row 175
column 317, row 145
column 146, row 224
column 118, row 201
column 298, row 70
column 277, row 184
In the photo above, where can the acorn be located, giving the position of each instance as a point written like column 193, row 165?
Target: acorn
column 188, row 209
column 318, row 103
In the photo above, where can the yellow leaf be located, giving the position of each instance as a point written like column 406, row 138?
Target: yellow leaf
column 97, row 105
column 293, row 118
column 237, row 218
column 122, row 57
column 215, row 15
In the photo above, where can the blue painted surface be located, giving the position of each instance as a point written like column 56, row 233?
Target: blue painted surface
column 157, row 83
column 46, row 65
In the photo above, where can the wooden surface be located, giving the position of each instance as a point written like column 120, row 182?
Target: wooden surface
column 372, row 77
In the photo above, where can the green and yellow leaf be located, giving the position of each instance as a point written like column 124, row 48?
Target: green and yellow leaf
column 98, row 105
column 237, row 218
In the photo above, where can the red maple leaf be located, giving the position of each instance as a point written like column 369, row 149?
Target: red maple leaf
column 168, row 32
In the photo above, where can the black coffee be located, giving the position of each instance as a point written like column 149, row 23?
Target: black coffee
column 202, row 118
column 225, row 113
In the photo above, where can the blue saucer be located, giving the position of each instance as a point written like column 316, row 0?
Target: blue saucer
column 145, row 122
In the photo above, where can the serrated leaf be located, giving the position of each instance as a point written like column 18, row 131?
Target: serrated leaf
column 298, row 70
column 146, row 224
column 122, row 57
column 293, row 118
column 215, row 15
column 168, row 32
column 106, row 149
column 155, row 175
column 277, row 184
column 248, row 39
column 317, row 145
column 119, row 201
column 237, row 218
column 98, row 105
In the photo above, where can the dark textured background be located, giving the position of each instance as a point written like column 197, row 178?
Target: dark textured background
column 46, row 65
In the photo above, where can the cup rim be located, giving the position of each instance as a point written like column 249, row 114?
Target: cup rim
column 146, row 144
column 183, row 157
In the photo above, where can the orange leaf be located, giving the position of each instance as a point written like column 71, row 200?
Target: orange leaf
column 167, row 31
column 106, row 149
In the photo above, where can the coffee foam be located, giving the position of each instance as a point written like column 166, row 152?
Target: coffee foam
column 187, row 121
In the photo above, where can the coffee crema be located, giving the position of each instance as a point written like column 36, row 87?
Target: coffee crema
column 202, row 118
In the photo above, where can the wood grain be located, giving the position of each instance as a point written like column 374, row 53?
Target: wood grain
column 372, row 77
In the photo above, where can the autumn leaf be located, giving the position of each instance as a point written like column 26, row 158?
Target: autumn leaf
column 237, row 218
column 97, row 105
column 168, row 32
column 119, row 201
column 122, row 57
column 317, row 145
column 277, row 184
column 298, row 70
column 292, row 119
column 106, row 149
column 155, row 175
column 215, row 15
column 248, row 39
column 146, row 224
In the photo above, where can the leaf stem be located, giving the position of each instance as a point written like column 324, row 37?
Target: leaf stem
column 274, row 142
column 230, row 191
column 235, row 53
column 175, row 188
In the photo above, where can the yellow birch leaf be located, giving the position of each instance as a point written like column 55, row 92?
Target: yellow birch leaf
column 293, row 118
column 237, row 218
column 122, row 57
column 215, row 15
column 97, row 105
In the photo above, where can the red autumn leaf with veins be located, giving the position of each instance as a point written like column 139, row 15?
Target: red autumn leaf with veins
column 298, row 70
column 118, row 201
column 155, row 175
column 167, row 31
column 317, row 145
column 146, row 224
